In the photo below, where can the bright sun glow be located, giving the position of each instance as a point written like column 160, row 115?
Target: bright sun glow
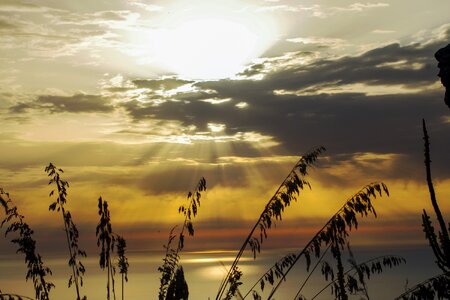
column 205, row 40
column 208, row 48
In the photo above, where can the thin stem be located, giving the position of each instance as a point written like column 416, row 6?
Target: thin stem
column 107, row 285
column 111, row 268
column 312, row 271
column 66, row 229
column 340, row 269
column 123, row 288
column 446, row 240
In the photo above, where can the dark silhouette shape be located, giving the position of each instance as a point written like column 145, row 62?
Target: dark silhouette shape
column 106, row 240
column 173, row 285
column 70, row 228
column 440, row 243
column 178, row 288
column 443, row 58
column 37, row 271
column 123, row 261
column 334, row 234
column 287, row 192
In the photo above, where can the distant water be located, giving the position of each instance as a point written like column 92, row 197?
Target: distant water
column 204, row 272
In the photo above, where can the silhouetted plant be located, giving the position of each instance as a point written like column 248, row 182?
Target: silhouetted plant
column 234, row 281
column 71, row 230
column 173, row 285
column 122, row 262
column 439, row 243
column 438, row 286
column 170, row 264
column 178, row 288
column 106, row 240
column 287, row 192
column 37, row 271
column 336, row 243
column 358, row 274
column 333, row 234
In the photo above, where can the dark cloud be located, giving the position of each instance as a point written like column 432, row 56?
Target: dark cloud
column 20, row 107
column 160, row 84
column 283, row 46
column 345, row 122
column 375, row 67
column 253, row 70
column 78, row 103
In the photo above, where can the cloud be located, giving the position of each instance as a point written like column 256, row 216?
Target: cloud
column 372, row 102
column 355, row 7
column 41, row 31
column 383, row 31
column 20, row 107
column 281, row 7
column 316, row 40
column 104, row 18
column 20, row 6
column 160, row 84
column 320, row 11
column 6, row 26
column 145, row 6
column 75, row 104
column 368, row 103
column 78, row 103
column 372, row 68
column 363, row 6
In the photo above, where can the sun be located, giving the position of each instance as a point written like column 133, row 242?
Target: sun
column 208, row 48
column 210, row 43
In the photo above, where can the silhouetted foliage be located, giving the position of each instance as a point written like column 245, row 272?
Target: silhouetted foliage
column 178, row 288
column 440, row 243
column 234, row 281
column 173, row 286
column 438, row 286
column 356, row 277
column 287, row 192
column 71, row 230
column 333, row 234
column 106, row 241
column 170, row 264
column 123, row 261
column 37, row 271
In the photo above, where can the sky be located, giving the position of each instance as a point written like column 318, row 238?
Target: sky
column 137, row 100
